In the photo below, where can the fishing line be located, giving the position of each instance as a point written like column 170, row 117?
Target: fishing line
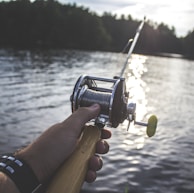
column 91, row 97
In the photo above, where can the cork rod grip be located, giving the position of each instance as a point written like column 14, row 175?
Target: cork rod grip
column 70, row 177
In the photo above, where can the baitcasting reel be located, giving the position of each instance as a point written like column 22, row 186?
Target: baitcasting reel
column 113, row 101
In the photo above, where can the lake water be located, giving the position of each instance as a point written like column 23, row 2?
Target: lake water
column 35, row 87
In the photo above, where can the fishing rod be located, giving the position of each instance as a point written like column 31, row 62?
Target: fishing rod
column 114, row 110
column 133, row 44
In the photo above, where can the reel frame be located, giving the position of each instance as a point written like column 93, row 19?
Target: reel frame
column 116, row 104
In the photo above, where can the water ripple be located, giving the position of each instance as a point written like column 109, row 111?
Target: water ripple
column 35, row 89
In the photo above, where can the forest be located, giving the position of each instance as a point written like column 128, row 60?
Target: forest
column 50, row 24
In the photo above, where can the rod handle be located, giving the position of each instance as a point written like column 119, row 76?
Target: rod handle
column 71, row 175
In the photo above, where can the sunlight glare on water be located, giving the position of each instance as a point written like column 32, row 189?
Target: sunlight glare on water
column 137, row 94
column 135, row 85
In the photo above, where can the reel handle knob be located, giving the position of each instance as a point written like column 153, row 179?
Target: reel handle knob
column 151, row 125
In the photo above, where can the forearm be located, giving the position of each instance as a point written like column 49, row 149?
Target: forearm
column 46, row 154
column 56, row 144
column 43, row 156
column 7, row 185
column 51, row 149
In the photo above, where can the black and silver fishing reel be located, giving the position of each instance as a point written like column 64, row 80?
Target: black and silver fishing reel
column 113, row 101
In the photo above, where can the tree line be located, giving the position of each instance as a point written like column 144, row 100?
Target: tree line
column 50, row 24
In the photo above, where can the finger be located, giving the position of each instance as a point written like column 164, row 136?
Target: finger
column 106, row 134
column 95, row 163
column 79, row 118
column 87, row 113
column 102, row 147
column 90, row 176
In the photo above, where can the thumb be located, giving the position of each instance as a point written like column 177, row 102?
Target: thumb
column 85, row 114
column 75, row 122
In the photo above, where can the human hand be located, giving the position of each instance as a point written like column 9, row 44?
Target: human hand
column 95, row 162
column 56, row 144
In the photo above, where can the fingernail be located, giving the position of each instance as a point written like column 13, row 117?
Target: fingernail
column 95, row 106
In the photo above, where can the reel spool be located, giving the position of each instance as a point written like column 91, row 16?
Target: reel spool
column 113, row 102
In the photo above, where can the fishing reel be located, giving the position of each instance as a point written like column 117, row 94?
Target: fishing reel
column 113, row 101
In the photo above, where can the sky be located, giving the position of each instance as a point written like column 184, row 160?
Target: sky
column 177, row 13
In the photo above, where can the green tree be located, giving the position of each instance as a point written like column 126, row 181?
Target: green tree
column 48, row 23
column 188, row 44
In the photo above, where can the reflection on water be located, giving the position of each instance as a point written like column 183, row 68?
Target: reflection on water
column 136, row 85
column 35, row 88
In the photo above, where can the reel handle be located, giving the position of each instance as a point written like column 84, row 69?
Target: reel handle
column 71, row 175
column 152, row 121
column 151, row 125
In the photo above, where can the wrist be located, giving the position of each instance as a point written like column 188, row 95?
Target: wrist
column 31, row 159
column 19, row 172
column 7, row 185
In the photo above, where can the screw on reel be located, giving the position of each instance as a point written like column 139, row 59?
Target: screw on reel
column 113, row 102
